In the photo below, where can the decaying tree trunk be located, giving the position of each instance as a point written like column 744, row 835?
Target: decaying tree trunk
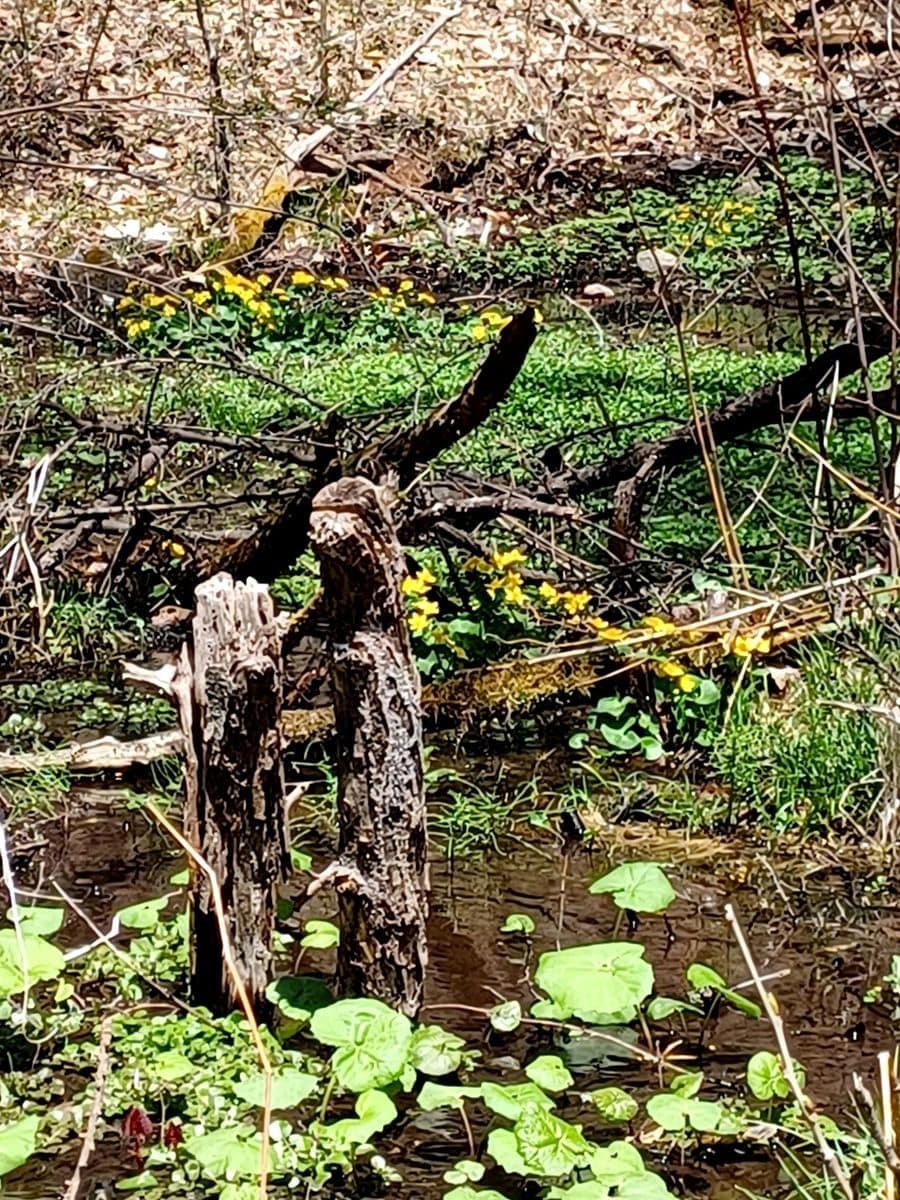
column 380, row 874
column 228, row 688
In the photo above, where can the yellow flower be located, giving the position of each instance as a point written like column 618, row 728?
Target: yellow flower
column 418, row 584
column 383, row 292
column 492, row 317
column 202, row 297
column 428, row 608
column 575, row 602
column 426, row 298
column 168, row 310
column 611, row 633
column 398, row 306
column 125, row 302
column 670, row 670
column 418, row 622
column 302, row 279
column 748, row 644
column 514, row 594
column 688, row 683
column 538, row 317
column 151, row 483
column 478, row 333
column 494, row 586
column 264, row 280
column 548, row 592
column 279, row 292
column 340, row 283
column 507, row 558
column 327, row 283
column 660, row 625
column 176, row 549
column 405, row 285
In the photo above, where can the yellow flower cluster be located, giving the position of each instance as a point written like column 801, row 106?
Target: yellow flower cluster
column 747, row 645
column 683, row 680
column 572, row 602
column 418, row 586
column 492, row 320
column 405, row 295
column 718, row 218
column 510, row 582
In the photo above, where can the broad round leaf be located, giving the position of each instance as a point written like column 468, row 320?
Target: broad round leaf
column 144, row 915
column 640, row 886
column 509, row 1099
column 320, row 935
column 290, row 1087
column 434, row 1051
column 550, row 1073
column 440, row 1095
column 39, row 919
column 614, row 1104
column 598, row 983
column 42, row 959
column 518, row 923
column 372, row 1040
column 676, row 1113
column 230, row 1152
column 17, row 1143
column 766, row 1078
column 506, row 1017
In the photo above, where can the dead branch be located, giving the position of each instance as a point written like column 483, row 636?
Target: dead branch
column 103, row 754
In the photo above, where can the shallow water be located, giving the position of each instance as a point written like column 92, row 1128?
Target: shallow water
column 811, row 919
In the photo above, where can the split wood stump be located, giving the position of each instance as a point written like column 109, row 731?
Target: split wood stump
column 228, row 690
column 381, row 871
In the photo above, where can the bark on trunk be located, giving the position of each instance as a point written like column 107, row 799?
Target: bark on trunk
column 382, row 888
column 234, row 805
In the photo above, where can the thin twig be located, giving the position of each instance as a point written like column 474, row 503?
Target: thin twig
column 804, row 1104
column 90, row 1133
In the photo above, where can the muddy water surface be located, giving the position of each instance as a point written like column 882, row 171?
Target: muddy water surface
column 813, row 923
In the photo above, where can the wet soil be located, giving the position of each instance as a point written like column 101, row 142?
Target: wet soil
column 814, row 923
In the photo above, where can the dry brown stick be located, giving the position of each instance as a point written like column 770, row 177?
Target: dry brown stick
column 103, row 754
column 804, row 1104
column 90, row 1133
column 891, row 1158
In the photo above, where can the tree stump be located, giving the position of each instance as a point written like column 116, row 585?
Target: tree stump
column 382, row 857
column 229, row 696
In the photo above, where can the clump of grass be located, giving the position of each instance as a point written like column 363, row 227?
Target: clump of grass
column 813, row 758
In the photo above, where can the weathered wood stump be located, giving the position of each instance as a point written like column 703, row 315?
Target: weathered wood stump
column 380, row 874
column 229, row 695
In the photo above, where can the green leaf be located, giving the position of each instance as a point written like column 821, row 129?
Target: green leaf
column 518, row 923
column 704, row 978
column 614, row 1104
column 146, row 1181
column 298, row 996
column 17, row 1143
column 434, row 1051
column 465, row 1171
column 229, row 1153
column 181, row 878
column 550, row 1073
column 64, row 991
column 440, row 1095
column 320, row 935
column 675, row 1113
column 688, row 1084
column 372, row 1040
column 170, row 1066
column 661, row 1007
column 616, row 1163
column 509, row 1099
column 38, row 919
column 503, row 1147
column 470, row 1193
column 506, row 1017
column 144, row 915
column 550, row 1146
column 374, row 1112
column 43, row 960
column 290, row 1087
column 766, row 1078
column 601, row 983
column 300, row 861
column 640, row 886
